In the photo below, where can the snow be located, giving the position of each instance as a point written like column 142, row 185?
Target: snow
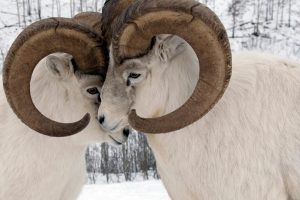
column 146, row 190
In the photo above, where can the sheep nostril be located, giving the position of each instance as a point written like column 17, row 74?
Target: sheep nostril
column 126, row 132
column 101, row 119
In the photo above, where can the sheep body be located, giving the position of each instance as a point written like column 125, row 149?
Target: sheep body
column 246, row 147
column 34, row 166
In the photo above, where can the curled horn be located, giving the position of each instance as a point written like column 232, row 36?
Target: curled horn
column 201, row 28
column 74, row 36
column 111, row 10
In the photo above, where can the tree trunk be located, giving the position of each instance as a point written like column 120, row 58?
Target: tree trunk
column 24, row 12
column 18, row 10
column 28, row 8
column 58, row 8
column 39, row 9
column 290, row 13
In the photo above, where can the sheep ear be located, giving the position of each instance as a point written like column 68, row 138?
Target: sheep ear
column 60, row 65
column 168, row 47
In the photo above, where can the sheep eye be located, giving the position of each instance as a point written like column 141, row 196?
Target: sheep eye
column 93, row 90
column 134, row 75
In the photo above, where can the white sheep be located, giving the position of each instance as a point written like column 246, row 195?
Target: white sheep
column 242, row 142
column 38, row 167
column 246, row 147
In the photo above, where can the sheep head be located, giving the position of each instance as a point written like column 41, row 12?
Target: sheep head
column 132, row 36
column 80, row 37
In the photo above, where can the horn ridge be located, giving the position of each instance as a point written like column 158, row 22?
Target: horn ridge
column 111, row 10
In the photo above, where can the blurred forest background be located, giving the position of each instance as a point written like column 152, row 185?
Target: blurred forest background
column 271, row 26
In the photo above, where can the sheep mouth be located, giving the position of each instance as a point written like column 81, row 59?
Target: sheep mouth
column 115, row 127
column 115, row 140
column 121, row 140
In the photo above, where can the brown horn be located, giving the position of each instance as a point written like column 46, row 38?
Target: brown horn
column 94, row 21
column 110, row 11
column 90, row 19
column 34, row 43
column 202, row 29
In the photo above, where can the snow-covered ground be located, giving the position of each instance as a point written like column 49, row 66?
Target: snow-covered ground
column 146, row 190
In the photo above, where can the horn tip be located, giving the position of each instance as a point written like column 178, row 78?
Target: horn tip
column 86, row 119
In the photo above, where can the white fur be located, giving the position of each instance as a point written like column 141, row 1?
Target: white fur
column 246, row 148
column 38, row 167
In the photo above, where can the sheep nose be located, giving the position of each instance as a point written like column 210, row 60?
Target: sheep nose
column 101, row 119
column 126, row 132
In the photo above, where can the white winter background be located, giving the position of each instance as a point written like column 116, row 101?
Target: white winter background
column 271, row 26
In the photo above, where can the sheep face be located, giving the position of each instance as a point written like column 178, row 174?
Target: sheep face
column 133, row 85
column 72, row 94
